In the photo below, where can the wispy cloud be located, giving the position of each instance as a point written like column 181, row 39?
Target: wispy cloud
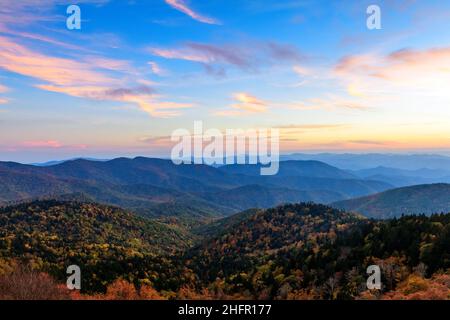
column 142, row 97
column 157, row 69
column 247, row 57
column 85, row 78
column 88, row 76
column 49, row 144
column 3, row 89
column 330, row 103
column 160, row 141
column 311, row 126
column 42, row 144
column 428, row 69
column 246, row 101
column 245, row 104
column 123, row 66
column 27, row 12
column 369, row 142
column 59, row 71
column 182, row 6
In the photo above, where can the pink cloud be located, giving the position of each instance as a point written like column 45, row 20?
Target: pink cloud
column 83, row 79
column 51, row 144
column 181, row 5
column 59, row 71
column 42, row 144
column 156, row 68
column 402, row 66
column 110, row 64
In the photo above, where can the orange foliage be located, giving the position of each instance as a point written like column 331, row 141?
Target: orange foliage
column 187, row 293
column 122, row 290
column 417, row 288
column 24, row 283
column 148, row 293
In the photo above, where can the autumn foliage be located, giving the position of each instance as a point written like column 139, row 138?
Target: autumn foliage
column 24, row 283
column 292, row 252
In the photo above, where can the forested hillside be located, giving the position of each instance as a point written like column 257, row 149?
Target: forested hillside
column 106, row 242
column 298, row 251
column 421, row 199
column 311, row 251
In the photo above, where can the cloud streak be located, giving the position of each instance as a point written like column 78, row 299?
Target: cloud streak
column 330, row 103
column 245, row 104
column 181, row 6
column 49, row 144
column 246, row 57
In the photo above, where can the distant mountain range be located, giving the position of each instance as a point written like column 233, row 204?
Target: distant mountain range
column 55, row 162
column 403, row 178
column 157, row 187
column 200, row 193
column 352, row 161
column 421, row 199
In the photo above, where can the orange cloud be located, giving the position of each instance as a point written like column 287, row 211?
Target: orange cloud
column 181, row 5
column 246, row 98
column 59, row 71
column 245, row 104
column 249, row 103
column 145, row 100
column 80, row 79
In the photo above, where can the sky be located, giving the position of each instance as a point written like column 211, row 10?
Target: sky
column 138, row 70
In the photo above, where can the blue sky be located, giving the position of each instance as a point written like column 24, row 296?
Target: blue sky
column 137, row 70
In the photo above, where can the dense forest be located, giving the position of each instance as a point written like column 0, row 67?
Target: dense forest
column 301, row 251
column 313, row 251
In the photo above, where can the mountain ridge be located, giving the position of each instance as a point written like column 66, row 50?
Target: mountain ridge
column 420, row 199
column 151, row 186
